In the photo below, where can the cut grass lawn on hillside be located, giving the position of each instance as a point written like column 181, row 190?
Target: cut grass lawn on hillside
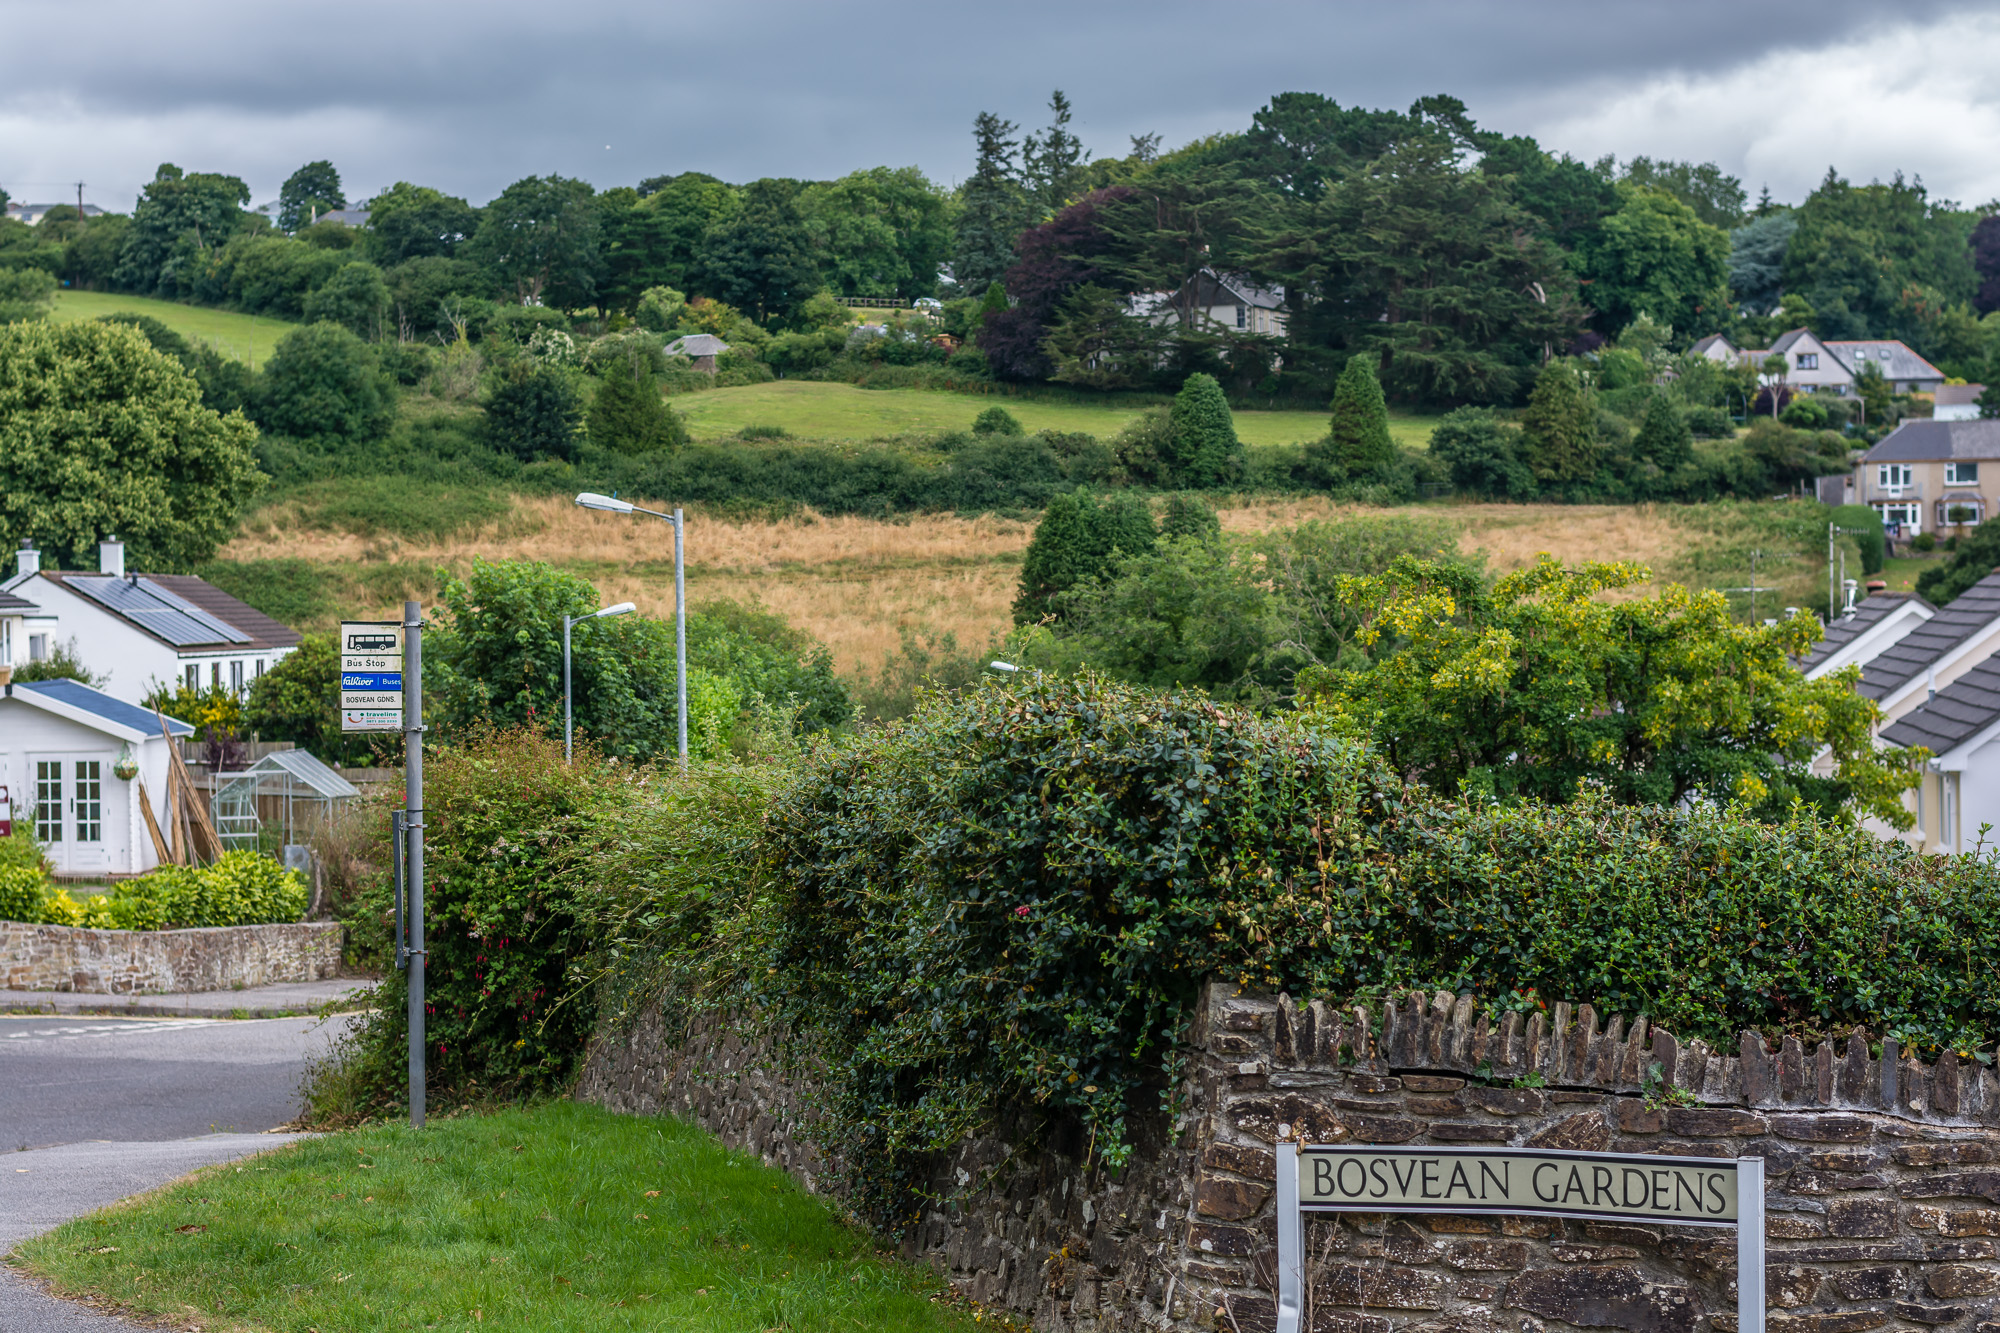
column 246, row 337
column 559, row 1219
column 820, row 410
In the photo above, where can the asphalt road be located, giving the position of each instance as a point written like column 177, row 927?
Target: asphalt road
column 93, row 1110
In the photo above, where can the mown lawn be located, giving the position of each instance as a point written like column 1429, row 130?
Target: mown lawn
column 246, row 337
column 816, row 410
column 560, row 1218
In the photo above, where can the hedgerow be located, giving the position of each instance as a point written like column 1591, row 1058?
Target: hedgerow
column 1012, row 900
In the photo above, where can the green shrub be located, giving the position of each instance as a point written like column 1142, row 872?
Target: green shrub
column 21, row 891
column 1012, row 899
column 535, row 412
column 508, row 1013
column 996, row 421
column 322, row 380
column 241, row 888
column 1924, row 541
column 1710, row 423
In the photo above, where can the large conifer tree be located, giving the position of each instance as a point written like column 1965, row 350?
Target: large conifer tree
column 993, row 207
column 1206, row 451
column 1357, row 444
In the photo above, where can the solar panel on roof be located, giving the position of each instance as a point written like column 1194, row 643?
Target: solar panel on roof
column 158, row 611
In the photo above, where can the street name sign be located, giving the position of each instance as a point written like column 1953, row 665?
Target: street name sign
column 371, row 675
column 1624, row 1187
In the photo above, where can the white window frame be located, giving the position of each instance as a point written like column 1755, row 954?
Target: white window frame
column 1909, row 513
column 1808, row 360
column 1895, row 478
column 1961, row 474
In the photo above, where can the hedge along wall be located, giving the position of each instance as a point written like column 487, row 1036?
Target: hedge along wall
column 1882, row 1179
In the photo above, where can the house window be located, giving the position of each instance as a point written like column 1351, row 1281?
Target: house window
column 48, row 800
column 38, row 647
column 1904, row 516
column 192, row 675
column 236, row 677
column 90, row 800
column 1895, row 476
column 1961, row 515
column 1242, row 317
column 215, row 675
column 1808, row 360
column 260, row 668
column 1961, row 474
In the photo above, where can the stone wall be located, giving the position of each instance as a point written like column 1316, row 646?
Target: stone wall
column 1883, row 1183
column 159, row 962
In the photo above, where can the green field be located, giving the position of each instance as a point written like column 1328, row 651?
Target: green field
column 245, row 337
column 812, row 409
column 559, row 1219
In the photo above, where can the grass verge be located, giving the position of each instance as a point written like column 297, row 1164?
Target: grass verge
column 558, row 1218
column 246, row 337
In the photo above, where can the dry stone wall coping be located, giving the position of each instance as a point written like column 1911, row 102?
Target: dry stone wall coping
column 1882, row 1197
column 159, row 962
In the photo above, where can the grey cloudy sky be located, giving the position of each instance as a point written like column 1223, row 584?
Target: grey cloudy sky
column 468, row 97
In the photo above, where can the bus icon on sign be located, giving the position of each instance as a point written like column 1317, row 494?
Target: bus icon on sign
column 372, row 643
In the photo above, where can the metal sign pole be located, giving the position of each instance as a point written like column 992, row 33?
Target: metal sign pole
column 396, row 840
column 1291, row 1242
column 1749, row 1245
column 413, row 781
column 567, row 622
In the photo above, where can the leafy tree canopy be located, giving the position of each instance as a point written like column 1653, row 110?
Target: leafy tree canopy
column 102, row 435
column 1539, row 687
column 542, row 237
column 314, row 188
column 410, row 221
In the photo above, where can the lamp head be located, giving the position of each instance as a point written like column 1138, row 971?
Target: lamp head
column 592, row 500
column 623, row 608
column 1007, row 667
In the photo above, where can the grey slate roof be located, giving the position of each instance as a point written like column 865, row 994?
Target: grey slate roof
column 1867, row 614
column 1935, row 441
column 1961, row 711
column 21, row 605
column 1958, row 395
column 1896, row 361
column 697, row 344
column 1967, row 614
column 99, row 704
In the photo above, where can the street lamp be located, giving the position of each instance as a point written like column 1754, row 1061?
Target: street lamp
column 611, row 504
column 623, row 608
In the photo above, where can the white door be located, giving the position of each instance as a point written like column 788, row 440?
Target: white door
column 69, row 809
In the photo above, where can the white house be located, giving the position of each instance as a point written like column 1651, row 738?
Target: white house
column 1813, row 366
column 1928, row 668
column 75, row 761
column 1218, row 301
column 34, row 213
column 139, row 631
column 1960, row 790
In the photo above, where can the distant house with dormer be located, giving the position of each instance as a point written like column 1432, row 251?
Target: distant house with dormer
column 1213, row 300
column 1834, row 367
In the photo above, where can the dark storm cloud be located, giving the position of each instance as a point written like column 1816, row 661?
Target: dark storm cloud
column 471, row 97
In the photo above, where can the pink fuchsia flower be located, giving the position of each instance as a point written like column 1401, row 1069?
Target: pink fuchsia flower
column 1020, row 911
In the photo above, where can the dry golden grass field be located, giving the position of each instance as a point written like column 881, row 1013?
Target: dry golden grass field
column 858, row 584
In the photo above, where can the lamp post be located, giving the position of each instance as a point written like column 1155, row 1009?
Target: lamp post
column 611, row 504
column 621, row 609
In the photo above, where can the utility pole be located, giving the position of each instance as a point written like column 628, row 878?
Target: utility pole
column 79, row 201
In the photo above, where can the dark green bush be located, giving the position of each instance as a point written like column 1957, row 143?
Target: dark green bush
column 322, row 381
column 1012, row 899
column 506, row 1014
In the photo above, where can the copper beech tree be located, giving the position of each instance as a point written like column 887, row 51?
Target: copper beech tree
column 1542, row 683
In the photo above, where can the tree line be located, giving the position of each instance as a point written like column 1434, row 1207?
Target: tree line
column 1458, row 258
